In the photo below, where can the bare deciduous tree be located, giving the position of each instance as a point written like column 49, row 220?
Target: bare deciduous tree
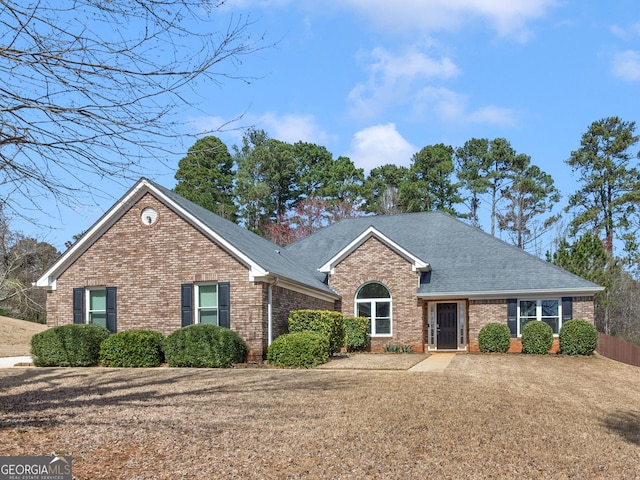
column 22, row 260
column 94, row 86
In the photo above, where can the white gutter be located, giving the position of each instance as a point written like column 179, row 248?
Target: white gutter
column 270, row 310
column 498, row 294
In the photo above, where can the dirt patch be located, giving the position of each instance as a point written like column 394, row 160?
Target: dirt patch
column 15, row 336
column 486, row 416
column 373, row 361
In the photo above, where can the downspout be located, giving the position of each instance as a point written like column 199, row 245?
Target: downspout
column 270, row 310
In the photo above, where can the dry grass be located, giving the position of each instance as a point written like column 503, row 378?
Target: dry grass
column 15, row 336
column 487, row 416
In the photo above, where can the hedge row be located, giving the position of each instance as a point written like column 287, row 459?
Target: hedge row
column 87, row 345
column 577, row 337
column 310, row 330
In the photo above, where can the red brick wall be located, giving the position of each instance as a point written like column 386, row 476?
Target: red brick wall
column 375, row 262
column 148, row 264
column 285, row 301
column 482, row 312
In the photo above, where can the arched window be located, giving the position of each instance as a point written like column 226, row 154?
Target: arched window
column 373, row 301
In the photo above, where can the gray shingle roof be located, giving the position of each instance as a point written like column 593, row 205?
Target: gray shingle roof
column 269, row 256
column 464, row 259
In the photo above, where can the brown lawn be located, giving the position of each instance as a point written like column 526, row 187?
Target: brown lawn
column 15, row 336
column 486, row 416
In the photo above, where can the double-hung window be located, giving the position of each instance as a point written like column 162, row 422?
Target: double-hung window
column 548, row 311
column 97, row 306
column 207, row 304
column 373, row 301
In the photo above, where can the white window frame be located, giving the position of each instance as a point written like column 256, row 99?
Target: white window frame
column 539, row 311
column 88, row 311
column 196, row 302
column 373, row 305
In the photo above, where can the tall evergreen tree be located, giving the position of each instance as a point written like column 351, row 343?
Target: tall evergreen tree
column 530, row 195
column 472, row 165
column 609, row 194
column 502, row 161
column 205, row 176
column 266, row 179
column 382, row 190
column 430, row 187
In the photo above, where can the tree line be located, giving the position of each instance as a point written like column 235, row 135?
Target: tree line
column 285, row 191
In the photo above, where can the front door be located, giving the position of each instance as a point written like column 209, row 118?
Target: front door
column 447, row 326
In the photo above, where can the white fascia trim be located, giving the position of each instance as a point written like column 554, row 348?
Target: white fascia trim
column 297, row 287
column 48, row 278
column 255, row 270
column 417, row 265
column 512, row 293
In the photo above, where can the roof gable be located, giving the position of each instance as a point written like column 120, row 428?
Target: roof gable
column 465, row 261
column 417, row 265
column 263, row 259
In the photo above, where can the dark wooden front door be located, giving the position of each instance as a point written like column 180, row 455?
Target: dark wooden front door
column 447, row 326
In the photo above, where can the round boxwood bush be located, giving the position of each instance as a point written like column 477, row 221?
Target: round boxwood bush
column 68, row 346
column 578, row 337
column 494, row 337
column 356, row 336
column 299, row 350
column 537, row 337
column 133, row 348
column 204, row 345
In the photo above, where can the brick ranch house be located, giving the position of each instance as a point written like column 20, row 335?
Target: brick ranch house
column 158, row 261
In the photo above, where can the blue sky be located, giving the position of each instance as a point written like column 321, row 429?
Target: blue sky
column 377, row 80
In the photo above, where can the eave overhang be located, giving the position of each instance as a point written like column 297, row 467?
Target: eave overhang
column 499, row 294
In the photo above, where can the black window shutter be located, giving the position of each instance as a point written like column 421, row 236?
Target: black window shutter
column 111, row 309
column 78, row 305
column 223, row 305
column 187, row 304
column 512, row 316
column 567, row 309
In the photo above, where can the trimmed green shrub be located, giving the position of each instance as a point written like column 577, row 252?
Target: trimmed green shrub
column 578, row 337
column 204, row 345
column 133, row 348
column 299, row 350
column 494, row 337
column 326, row 322
column 537, row 337
column 68, row 346
column 356, row 336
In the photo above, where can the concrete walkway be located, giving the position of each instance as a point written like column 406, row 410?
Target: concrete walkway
column 436, row 362
column 7, row 362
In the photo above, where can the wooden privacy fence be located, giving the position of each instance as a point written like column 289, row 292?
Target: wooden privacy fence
column 618, row 349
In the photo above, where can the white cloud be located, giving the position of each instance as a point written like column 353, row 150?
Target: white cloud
column 380, row 145
column 626, row 65
column 626, row 33
column 452, row 107
column 507, row 17
column 289, row 128
column 392, row 78
column 292, row 127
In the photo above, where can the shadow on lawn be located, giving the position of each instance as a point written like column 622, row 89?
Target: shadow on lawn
column 43, row 398
column 626, row 424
